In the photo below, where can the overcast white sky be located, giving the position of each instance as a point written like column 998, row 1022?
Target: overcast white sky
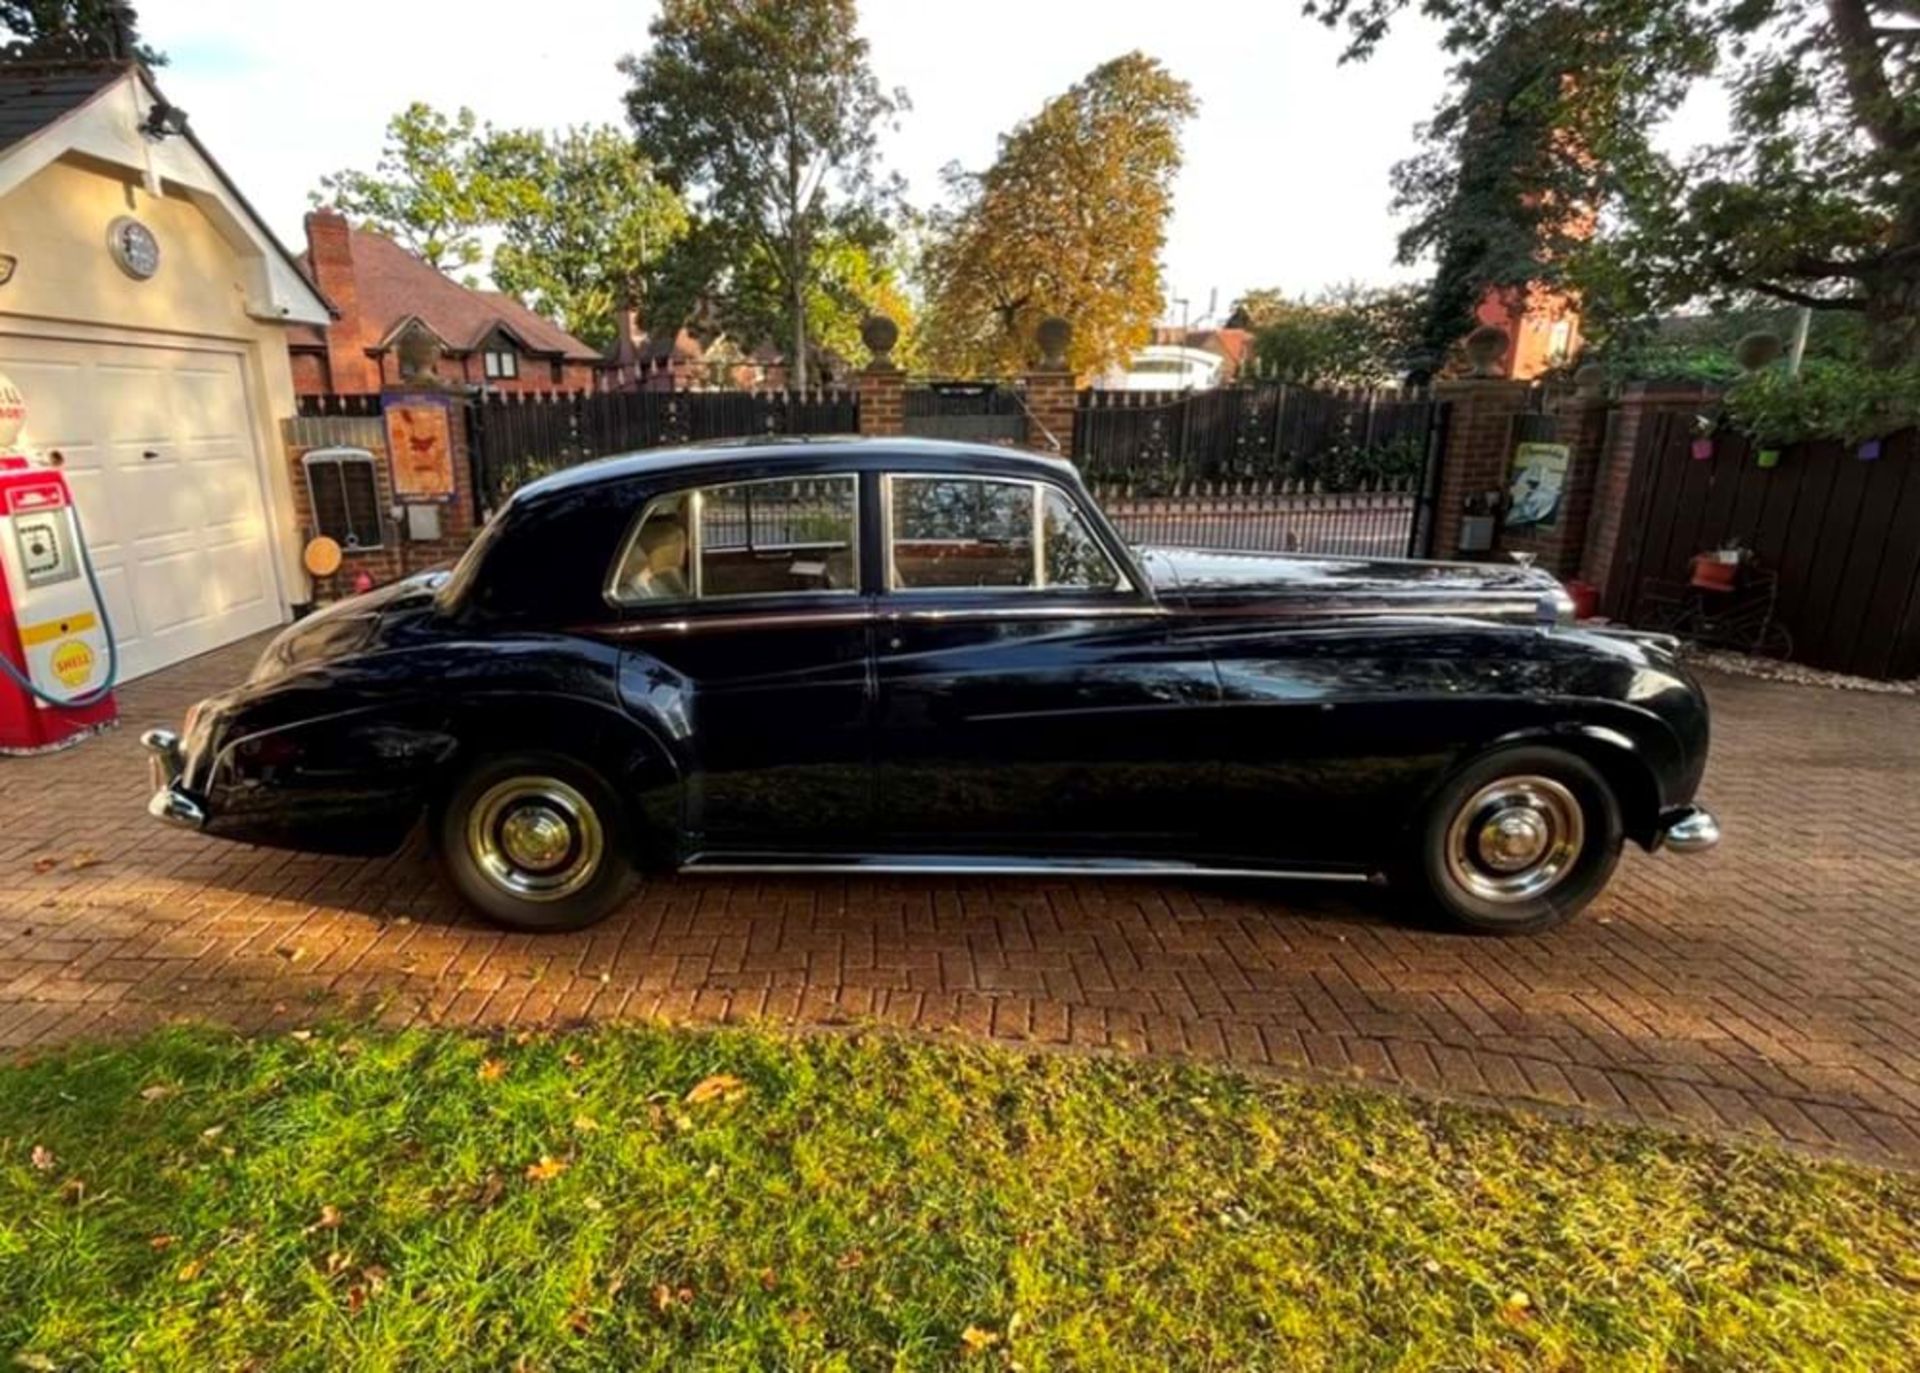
column 1285, row 182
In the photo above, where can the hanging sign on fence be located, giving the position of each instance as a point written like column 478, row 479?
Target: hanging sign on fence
column 1536, row 480
column 420, row 447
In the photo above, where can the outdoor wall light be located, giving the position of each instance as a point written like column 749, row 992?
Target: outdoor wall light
column 164, row 121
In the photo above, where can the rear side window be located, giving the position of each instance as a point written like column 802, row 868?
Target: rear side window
column 798, row 534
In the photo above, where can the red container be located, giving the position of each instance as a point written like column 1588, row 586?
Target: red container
column 1586, row 599
column 1712, row 574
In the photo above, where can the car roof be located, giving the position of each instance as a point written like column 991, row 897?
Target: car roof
column 803, row 452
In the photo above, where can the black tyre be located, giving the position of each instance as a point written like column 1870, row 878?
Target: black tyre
column 536, row 841
column 1518, row 841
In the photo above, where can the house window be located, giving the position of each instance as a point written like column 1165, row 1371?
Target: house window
column 502, row 364
column 556, row 373
column 345, row 497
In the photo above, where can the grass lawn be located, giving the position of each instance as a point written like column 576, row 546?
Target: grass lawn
column 643, row 1198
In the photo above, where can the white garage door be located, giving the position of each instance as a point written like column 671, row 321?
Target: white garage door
column 161, row 458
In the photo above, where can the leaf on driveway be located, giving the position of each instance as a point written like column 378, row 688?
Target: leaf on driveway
column 547, row 1169
column 718, row 1087
column 86, row 858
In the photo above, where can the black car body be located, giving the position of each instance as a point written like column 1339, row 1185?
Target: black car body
column 871, row 653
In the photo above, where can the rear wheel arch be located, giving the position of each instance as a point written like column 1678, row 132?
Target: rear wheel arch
column 629, row 755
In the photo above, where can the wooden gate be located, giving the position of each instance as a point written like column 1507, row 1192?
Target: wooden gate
column 1841, row 531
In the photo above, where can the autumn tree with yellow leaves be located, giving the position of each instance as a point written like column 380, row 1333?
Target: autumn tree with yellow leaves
column 1069, row 220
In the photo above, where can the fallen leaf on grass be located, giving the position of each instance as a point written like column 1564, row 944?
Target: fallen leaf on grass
column 190, row 1270
column 586, row 1125
column 547, row 1169
column 356, row 1298
column 39, row 1363
column 43, row 1159
column 329, row 1220
column 665, row 1298
column 978, row 1341
column 492, row 1070
column 160, row 1091
column 160, row 1242
column 718, row 1087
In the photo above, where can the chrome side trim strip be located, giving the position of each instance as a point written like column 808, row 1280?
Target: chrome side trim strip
column 963, row 868
column 690, row 624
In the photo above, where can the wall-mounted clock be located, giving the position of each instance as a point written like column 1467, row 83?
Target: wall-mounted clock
column 134, row 247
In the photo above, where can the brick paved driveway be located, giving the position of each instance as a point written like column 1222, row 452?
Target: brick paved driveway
column 1772, row 987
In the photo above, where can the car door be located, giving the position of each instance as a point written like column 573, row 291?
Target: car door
column 744, row 599
column 1030, row 697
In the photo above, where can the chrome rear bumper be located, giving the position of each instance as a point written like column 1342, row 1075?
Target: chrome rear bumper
column 165, row 764
column 1689, row 830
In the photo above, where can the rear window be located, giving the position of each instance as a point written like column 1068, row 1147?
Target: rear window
column 774, row 537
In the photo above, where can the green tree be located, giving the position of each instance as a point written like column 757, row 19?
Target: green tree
column 1814, row 200
column 97, row 29
column 1069, row 220
column 767, row 111
column 584, row 223
column 430, row 191
column 1350, row 335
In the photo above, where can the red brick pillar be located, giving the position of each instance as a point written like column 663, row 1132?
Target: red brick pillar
column 1613, row 474
column 882, row 385
column 1480, row 437
column 1581, row 424
column 1052, row 391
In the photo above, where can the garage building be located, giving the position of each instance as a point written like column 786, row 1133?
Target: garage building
column 143, row 315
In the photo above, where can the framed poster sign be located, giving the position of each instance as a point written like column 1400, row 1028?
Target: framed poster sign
column 420, row 447
column 1536, row 484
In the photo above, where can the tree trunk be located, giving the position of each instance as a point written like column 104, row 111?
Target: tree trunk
column 1893, row 317
column 797, row 373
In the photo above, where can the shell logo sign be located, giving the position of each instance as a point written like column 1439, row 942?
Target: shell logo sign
column 72, row 663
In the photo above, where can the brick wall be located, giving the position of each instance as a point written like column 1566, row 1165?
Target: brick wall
column 1051, row 400
column 397, row 556
column 1480, row 437
column 883, row 399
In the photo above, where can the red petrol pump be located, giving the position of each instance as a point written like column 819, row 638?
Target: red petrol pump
column 57, row 657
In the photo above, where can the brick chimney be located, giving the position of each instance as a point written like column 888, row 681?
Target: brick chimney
column 330, row 251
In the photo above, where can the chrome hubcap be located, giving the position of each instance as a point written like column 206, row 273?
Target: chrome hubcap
column 1515, row 839
column 536, row 838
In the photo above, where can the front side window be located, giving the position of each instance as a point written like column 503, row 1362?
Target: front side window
column 745, row 539
column 961, row 532
column 965, row 532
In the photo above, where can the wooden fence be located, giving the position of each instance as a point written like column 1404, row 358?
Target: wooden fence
column 516, row 438
column 1840, row 531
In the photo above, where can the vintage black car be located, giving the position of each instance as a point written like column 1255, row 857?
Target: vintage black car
column 880, row 655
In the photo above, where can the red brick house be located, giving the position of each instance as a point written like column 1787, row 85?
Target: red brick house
column 381, row 291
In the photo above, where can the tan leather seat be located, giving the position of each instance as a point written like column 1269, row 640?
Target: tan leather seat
column 663, row 575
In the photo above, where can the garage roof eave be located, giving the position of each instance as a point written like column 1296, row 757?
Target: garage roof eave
column 105, row 127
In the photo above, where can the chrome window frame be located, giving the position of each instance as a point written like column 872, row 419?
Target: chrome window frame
column 1037, row 489
column 696, row 508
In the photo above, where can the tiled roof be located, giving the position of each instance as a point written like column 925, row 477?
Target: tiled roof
column 392, row 286
column 33, row 96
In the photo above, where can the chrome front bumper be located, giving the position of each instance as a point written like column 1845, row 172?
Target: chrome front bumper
column 1689, row 830
column 165, row 764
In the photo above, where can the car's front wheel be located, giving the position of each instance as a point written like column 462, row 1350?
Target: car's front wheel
column 535, row 842
column 1519, row 841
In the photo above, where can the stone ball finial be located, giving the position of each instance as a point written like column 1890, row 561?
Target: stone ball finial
column 419, row 353
column 1590, row 378
column 879, row 333
column 1486, row 346
column 1758, row 350
column 1053, row 335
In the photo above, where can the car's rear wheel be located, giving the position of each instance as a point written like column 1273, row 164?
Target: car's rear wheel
column 536, row 842
column 1519, row 841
